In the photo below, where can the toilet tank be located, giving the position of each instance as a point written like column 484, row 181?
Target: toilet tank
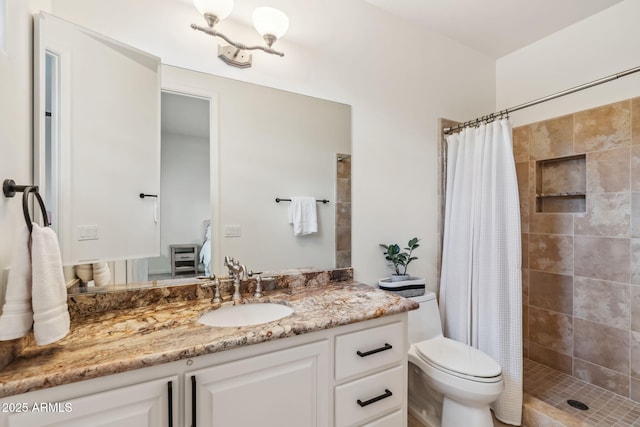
column 424, row 323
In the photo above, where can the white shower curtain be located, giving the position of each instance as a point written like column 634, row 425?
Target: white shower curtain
column 481, row 281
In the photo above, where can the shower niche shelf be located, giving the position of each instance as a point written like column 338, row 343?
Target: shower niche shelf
column 561, row 185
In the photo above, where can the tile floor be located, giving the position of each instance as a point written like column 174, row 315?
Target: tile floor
column 554, row 388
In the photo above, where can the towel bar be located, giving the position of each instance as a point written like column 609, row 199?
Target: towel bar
column 278, row 200
column 9, row 188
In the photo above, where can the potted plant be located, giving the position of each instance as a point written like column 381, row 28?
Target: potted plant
column 400, row 259
column 400, row 281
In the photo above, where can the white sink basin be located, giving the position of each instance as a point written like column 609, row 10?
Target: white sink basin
column 245, row 314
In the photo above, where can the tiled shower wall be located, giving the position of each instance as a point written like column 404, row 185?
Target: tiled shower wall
column 343, row 211
column 581, row 271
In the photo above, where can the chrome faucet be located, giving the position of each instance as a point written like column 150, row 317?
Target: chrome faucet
column 237, row 272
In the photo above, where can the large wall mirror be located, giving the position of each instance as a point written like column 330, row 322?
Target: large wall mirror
column 220, row 152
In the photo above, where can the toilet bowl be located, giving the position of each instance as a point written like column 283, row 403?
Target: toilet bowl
column 468, row 379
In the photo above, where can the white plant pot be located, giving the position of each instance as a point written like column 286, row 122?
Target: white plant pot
column 411, row 287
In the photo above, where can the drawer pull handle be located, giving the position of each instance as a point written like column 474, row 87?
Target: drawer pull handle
column 387, row 393
column 194, row 416
column 170, row 402
column 377, row 350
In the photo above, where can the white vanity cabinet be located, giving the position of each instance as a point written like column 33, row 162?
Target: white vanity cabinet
column 347, row 376
column 151, row 403
column 371, row 376
column 287, row 388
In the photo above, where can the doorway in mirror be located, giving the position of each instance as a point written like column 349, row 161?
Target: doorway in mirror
column 185, row 205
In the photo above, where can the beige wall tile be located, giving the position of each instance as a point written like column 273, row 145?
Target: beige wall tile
column 551, row 223
column 525, row 349
column 635, row 120
column 608, row 171
column 343, row 214
column 553, row 254
column 635, row 168
column 635, row 307
column 343, row 259
column 551, row 358
column 525, row 286
column 603, row 302
column 635, row 261
column 602, row 258
column 343, row 193
column 525, row 322
column 343, row 238
column 522, row 173
column 551, row 291
column 551, row 138
column 634, row 390
column 602, row 345
column 551, row 330
column 603, row 127
column 607, row 215
column 344, row 166
column 635, row 354
column 521, row 143
column 635, row 214
column 602, row 377
column 566, row 175
column 524, row 239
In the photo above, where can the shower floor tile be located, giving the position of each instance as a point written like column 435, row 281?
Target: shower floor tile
column 555, row 388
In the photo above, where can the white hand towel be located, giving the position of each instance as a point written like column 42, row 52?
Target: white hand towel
column 17, row 317
column 303, row 216
column 101, row 274
column 49, row 299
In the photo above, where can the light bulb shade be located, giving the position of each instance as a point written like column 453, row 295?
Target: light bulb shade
column 220, row 8
column 268, row 20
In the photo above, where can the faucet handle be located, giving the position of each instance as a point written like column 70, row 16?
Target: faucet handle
column 258, row 292
column 216, row 294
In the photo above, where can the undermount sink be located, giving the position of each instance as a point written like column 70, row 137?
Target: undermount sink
column 245, row 314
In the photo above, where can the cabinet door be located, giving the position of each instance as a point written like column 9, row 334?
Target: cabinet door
column 145, row 404
column 287, row 388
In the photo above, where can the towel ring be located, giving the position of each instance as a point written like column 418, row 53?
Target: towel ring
column 25, row 207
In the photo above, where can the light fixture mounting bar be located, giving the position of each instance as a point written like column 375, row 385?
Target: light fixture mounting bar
column 212, row 32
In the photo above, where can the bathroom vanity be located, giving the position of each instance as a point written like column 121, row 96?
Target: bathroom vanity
column 339, row 360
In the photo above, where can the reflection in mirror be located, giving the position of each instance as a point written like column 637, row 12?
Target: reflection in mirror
column 264, row 144
column 185, row 206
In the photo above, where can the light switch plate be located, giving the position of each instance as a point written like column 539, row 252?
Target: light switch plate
column 87, row 232
column 232, row 231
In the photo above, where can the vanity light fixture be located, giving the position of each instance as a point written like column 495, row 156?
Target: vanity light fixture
column 269, row 22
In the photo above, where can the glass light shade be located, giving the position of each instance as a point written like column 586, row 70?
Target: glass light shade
column 220, row 8
column 268, row 20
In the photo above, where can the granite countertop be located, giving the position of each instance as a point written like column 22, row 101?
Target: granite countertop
column 121, row 340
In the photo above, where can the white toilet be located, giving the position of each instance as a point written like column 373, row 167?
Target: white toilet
column 467, row 379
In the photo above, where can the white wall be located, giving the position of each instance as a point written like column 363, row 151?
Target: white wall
column 185, row 202
column 399, row 79
column 15, row 116
column 604, row 44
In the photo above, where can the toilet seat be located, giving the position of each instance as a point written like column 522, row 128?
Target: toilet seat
column 458, row 359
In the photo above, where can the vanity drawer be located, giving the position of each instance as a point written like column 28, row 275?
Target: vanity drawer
column 391, row 420
column 370, row 349
column 369, row 397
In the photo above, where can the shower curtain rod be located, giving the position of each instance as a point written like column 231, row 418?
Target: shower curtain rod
column 506, row 111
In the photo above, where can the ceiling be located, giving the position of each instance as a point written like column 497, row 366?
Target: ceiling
column 495, row 27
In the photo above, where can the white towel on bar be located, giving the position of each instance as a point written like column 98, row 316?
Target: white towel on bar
column 303, row 216
column 49, row 294
column 17, row 316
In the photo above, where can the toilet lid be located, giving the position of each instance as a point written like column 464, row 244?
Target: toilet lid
column 458, row 357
